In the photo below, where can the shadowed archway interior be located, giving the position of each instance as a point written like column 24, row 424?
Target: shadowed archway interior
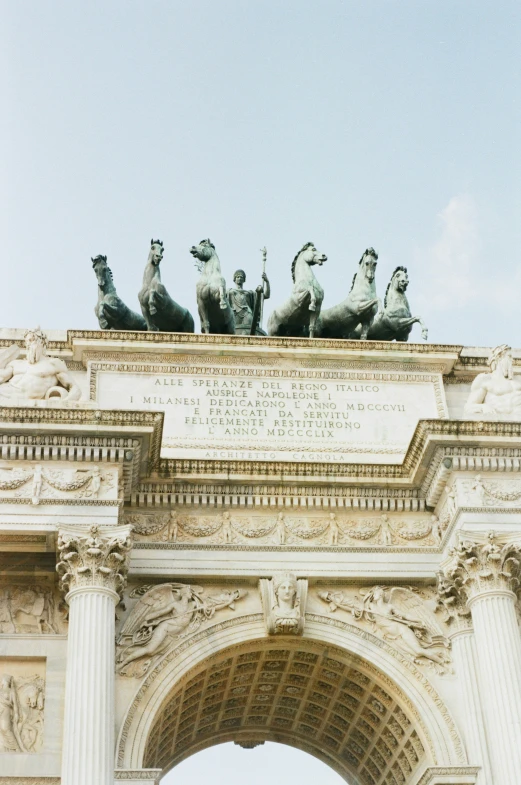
column 333, row 705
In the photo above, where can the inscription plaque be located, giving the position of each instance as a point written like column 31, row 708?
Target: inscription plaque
column 283, row 415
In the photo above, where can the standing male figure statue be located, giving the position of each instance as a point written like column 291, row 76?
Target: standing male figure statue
column 246, row 304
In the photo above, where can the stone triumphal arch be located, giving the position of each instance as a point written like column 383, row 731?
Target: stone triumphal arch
column 211, row 538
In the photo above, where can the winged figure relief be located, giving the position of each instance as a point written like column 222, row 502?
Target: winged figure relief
column 400, row 615
column 165, row 612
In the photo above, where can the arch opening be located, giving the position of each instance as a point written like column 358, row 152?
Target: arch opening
column 330, row 704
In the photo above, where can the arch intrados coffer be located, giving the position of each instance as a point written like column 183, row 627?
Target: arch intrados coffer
column 328, row 703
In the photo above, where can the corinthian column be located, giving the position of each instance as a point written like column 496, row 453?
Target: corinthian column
column 92, row 568
column 464, row 656
column 485, row 575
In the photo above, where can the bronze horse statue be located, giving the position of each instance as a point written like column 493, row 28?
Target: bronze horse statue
column 395, row 322
column 160, row 311
column 215, row 311
column 358, row 309
column 297, row 317
column 110, row 310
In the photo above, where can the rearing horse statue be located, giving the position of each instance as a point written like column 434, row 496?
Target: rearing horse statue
column 111, row 311
column 395, row 322
column 359, row 307
column 215, row 311
column 160, row 311
column 297, row 317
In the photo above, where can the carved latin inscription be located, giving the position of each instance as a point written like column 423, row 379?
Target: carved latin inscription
column 307, row 416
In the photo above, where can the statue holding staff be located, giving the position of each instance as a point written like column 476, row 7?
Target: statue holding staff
column 246, row 304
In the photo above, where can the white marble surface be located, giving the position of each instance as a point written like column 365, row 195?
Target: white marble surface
column 277, row 417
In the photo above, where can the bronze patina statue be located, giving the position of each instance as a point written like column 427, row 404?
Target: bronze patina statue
column 297, row 317
column 358, row 309
column 214, row 308
column 247, row 305
column 160, row 311
column 111, row 311
column 395, row 322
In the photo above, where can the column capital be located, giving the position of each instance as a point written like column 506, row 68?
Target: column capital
column 94, row 558
column 454, row 602
column 477, row 567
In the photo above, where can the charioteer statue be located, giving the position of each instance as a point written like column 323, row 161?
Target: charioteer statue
column 247, row 305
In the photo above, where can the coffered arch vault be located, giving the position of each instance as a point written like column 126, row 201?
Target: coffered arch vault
column 344, row 697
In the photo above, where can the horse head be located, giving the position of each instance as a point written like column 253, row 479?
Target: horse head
column 102, row 270
column 156, row 252
column 308, row 254
column 399, row 282
column 203, row 252
column 367, row 264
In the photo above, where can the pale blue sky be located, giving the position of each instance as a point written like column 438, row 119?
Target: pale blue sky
column 394, row 124
column 273, row 764
column 391, row 124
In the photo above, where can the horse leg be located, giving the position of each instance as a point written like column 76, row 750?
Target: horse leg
column 313, row 302
column 312, row 323
column 222, row 299
column 425, row 331
column 103, row 322
column 205, row 322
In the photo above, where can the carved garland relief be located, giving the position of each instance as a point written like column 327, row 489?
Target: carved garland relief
column 39, row 483
column 281, row 529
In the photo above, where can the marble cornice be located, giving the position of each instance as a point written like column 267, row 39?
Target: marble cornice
column 132, row 438
column 432, row 442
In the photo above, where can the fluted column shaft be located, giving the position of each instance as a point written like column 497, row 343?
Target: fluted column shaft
column 465, row 663
column 92, row 567
column 88, row 742
column 498, row 645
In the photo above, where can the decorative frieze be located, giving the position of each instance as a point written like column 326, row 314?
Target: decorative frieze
column 30, row 608
column 278, row 528
column 39, row 483
column 164, row 613
column 400, row 614
column 94, row 559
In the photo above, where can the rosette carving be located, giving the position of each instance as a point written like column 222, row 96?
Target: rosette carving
column 93, row 559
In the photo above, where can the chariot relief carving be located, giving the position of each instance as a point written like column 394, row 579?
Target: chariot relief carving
column 163, row 614
column 29, row 608
column 21, row 713
column 330, row 529
column 398, row 614
column 284, row 602
column 38, row 483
